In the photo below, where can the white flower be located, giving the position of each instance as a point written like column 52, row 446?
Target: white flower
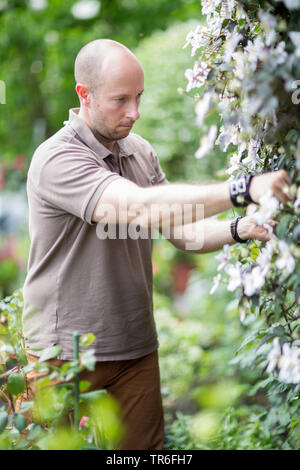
column 230, row 45
column 235, row 275
column 279, row 54
column 295, row 38
column 227, row 9
column 228, row 136
column 253, row 281
column 196, row 76
column 216, row 283
column 198, row 38
column 286, row 260
column 209, row 6
column 234, row 163
column 207, row 142
column 251, row 159
column 38, row 4
column 223, row 257
column 291, row 4
column 289, row 364
column 202, row 107
column 264, row 258
column 215, row 23
column 240, row 65
column 85, row 9
column 268, row 205
column 274, row 355
column 297, row 203
column 270, row 24
column 255, row 51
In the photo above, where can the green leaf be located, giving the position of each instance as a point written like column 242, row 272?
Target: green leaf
column 16, row 383
column 283, row 226
column 34, row 431
column 265, row 339
column 20, row 422
column 3, row 420
column 88, row 359
column 86, row 340
column 92, row 396
column 84, row 385
column 50, row 353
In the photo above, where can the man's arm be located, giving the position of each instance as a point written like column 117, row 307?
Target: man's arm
column 122, row 200
column 212, row 234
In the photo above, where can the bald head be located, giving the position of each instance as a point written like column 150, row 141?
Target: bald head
column 95, row 59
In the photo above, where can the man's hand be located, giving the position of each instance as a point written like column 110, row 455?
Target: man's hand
column 248, row 228
column 278, row 181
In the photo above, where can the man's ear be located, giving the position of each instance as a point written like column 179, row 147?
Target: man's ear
column 84, row 94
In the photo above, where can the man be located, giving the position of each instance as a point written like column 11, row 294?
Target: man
column 94, row 170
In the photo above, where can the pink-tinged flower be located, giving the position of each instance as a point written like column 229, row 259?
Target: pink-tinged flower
column 235, row 275
column 83, row 420
column 155, row 268
column 223, row 257
column 197, row 75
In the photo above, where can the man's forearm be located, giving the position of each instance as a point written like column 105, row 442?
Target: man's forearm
column 184, row 203
column 202, row 237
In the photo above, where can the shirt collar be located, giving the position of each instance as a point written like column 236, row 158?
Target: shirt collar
column 86, row 135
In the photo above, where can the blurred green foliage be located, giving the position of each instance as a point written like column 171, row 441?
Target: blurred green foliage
column 167, row 112
column 37, row 56
column 208, row 399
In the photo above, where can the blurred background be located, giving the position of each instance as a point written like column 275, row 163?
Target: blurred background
column 205, row 394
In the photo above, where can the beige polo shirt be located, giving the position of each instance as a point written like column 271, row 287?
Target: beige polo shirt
column 76, row 281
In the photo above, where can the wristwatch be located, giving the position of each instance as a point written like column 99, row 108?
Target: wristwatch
column 233, row 229
column 239, row 191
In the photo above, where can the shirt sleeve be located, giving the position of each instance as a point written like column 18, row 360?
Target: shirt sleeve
column 161, row 177
column 73, row 181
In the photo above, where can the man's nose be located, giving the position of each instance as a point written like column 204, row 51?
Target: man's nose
column 133, row 113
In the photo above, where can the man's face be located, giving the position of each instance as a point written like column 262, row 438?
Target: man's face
column 114, row 105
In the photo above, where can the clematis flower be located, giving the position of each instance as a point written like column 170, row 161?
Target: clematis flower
column 234, row 163
column 230, row 45
column 214, row 22
column 264, row 258
column 198, row 38
column 286, row 260
column 274, row 355
column 223, row 257
column 235, row 276
column 202, row 107
column 289, row 364
column 253, row 281
column 209, row 6
column 196, row 76
column 207, row 142
column 291, row 4
column 227, row 9
column 269, row 23
column 268, row 206
column 295, row 38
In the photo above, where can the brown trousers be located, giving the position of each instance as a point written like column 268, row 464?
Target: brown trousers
column 135, row 384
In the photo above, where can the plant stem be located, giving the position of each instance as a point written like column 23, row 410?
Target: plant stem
column 76, row 380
